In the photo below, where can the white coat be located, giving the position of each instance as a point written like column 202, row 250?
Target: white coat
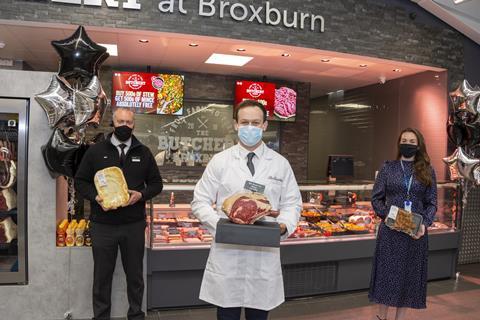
column 238, row 275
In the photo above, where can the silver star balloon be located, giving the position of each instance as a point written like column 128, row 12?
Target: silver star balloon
column 57, row 103
column 466, row 97
column 476, row 175
column 90, row 103
column 451, row 162
column 466, row 164
column 84, row 101
column 472, row 97
column 101, row 104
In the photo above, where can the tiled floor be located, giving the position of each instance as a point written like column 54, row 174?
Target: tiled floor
column 447, row 300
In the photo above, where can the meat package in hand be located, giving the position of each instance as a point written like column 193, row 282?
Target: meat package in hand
column 247, row 207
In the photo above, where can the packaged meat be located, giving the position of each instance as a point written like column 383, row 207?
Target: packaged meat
column 247, row 207
column 8, row 230
column 8, row 173
column 403, row 221
column 112, row 187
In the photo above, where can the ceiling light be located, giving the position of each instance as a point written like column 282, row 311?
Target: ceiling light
column 228, row 59
column 437, row 76
column 285, row 54
column 193, row 44
column 459, row 1
column 241, row 50
column 111, row 49
column 363, row 65
column 325, row 60
column 2, row 44
column 143, row 41
column 397, row 70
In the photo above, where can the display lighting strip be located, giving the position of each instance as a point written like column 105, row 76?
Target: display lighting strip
column 352, row 106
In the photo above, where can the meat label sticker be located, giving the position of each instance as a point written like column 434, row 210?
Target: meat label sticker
column 102, row 180
column 254, row 187
column 393, row 212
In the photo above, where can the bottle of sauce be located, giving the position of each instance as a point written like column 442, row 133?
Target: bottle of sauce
column 172, row 200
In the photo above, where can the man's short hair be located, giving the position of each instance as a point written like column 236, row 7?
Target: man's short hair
column 122, row 109
column 249, row 103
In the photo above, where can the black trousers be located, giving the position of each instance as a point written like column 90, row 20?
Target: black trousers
column 234, row 314
column 106, row 239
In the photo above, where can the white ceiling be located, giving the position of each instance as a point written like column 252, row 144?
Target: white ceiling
column 170, row 51
column 464, row 16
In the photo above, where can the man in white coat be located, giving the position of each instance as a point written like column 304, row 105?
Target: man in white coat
column 239, row 276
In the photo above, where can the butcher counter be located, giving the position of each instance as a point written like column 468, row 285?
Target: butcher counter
column 329, row 252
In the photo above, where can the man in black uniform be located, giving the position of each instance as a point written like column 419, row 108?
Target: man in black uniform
column 122, row 227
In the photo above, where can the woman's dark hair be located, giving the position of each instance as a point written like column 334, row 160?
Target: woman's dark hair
column 422, row 167
column 249, row 103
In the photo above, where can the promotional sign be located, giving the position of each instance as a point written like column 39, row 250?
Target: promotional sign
column 281, row 103
column 150, row 93
column 263, row 92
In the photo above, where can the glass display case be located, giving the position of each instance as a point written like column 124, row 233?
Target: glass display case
column 330, row 251
column 13, row 218
column 330, row 211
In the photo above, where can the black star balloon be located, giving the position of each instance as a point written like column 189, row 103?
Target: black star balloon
column 80, row 57
column 61, row 155
column 57, row 102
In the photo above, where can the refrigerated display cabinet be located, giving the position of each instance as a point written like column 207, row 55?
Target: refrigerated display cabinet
column 330, row 251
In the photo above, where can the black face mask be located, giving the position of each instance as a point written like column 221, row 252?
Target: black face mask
column 123, row 133
column 408, row 150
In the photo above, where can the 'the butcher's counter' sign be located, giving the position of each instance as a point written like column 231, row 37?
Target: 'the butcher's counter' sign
column 193, row 139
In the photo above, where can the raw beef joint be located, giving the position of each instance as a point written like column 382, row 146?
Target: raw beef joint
column 247, row 207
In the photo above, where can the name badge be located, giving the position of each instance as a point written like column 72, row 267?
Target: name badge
column 135, row 159
column 255, row 187
column 407, row 205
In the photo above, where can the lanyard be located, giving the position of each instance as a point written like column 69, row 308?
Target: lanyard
column 407, row 181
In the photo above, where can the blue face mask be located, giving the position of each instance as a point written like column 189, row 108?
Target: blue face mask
column 250, row 135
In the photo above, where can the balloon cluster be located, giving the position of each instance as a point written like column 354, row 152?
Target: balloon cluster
column 463, row 128
column 73, row 101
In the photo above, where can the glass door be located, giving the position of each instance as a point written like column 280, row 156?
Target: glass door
column 13, row 182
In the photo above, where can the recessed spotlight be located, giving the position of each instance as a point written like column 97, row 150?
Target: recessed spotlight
column 2, row 44
column 285, row 54
column 325, row 60
column 193, row 44
column 241, row 49
column 437, row 76
column 397, row 70
column 143, row 41
column 363, row 65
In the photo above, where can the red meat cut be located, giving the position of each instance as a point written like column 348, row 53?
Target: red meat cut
column 246, row 208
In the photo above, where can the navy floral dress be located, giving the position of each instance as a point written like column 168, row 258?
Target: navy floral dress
column 399, row 273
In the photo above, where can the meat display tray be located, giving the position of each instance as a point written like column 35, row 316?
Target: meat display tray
column 261, row 233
